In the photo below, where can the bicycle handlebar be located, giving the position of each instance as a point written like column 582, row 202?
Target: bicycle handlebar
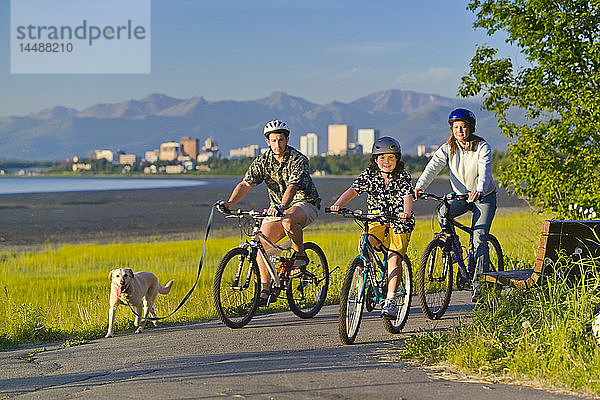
column 359, row 215
column 444, row 198
column 240, row 213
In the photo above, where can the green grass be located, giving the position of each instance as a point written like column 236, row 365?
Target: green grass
column 62, row 292
column 539, row 335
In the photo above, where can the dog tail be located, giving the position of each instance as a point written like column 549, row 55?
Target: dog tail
column 165, row 289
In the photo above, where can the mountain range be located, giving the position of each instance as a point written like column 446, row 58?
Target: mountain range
column 136, row 126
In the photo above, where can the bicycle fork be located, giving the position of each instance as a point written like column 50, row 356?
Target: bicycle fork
column 238, row 274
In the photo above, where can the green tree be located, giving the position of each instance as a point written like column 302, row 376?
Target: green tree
column 554, row 158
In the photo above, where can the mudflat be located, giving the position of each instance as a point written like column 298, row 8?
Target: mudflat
column 153, row 214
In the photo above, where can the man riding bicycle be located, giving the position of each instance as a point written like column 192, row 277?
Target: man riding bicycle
column 294, row 200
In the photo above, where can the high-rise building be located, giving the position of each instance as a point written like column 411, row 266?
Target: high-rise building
column 339, row 137
column 151, row 156
column 366, row 138
column 127, row 159
column 106, row 154
column 169, row 151
column 426, row 151
column 189, row 147
column 242, row 152
column 210, row 144
column 309, row 145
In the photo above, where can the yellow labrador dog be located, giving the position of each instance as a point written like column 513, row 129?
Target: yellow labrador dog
column 138, row 290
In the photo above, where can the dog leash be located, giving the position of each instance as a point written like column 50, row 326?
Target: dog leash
column 187, row 296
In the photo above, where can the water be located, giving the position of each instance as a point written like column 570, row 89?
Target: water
column 14, row 185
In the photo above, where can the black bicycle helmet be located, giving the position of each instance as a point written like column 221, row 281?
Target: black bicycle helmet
column 462, row 114
column 386, row 145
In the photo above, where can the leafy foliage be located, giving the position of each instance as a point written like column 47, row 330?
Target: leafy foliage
column 554, row 159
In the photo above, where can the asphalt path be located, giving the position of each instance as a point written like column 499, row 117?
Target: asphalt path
column 276, row 356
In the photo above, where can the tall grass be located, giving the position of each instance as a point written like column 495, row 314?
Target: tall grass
column 63, row 291
column 540, row 335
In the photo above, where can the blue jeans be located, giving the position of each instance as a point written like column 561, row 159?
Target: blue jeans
column 483, row 210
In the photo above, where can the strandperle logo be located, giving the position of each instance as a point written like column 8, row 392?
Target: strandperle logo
column 80, row 36
column 85, row 31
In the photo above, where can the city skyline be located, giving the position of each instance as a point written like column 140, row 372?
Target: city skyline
column 171, row 150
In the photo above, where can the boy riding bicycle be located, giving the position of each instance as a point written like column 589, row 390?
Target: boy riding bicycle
column 389, row 192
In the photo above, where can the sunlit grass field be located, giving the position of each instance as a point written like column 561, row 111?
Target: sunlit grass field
column 63, row 291
column 539, row 335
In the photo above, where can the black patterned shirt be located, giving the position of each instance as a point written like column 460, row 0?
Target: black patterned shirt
column 293, row 170
column 386, row 199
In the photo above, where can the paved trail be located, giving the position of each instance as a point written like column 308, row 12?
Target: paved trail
column 275, row 357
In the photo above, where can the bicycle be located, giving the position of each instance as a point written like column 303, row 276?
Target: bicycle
column 435, row 278
column 365, row 283
column 237, row 285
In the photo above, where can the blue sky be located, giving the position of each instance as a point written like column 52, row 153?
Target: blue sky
column 242, row 50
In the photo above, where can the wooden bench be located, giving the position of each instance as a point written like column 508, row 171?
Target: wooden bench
column 575, row 238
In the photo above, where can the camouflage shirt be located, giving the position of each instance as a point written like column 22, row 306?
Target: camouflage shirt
column 386, row 199
column 293, row 170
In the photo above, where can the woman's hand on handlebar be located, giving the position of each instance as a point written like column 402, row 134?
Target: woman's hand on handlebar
column 474, row 196
column 418, row 191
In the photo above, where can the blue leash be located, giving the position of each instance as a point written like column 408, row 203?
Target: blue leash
column 187, row 296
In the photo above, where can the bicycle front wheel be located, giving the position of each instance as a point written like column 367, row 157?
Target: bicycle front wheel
column 435, row 280
column 307, row 292
column 403, row 299
column 352, row 300
column 236, row 288
column 496, row 256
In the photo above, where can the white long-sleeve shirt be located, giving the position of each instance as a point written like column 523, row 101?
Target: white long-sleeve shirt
column 469, row 170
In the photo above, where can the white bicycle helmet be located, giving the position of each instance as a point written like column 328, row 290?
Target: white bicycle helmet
column 276, row 126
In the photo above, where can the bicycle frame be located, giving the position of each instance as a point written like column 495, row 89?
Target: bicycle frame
column 375, row 268
column 450, row 237
column 237, row 281
column 372, row 264
column 255, row 247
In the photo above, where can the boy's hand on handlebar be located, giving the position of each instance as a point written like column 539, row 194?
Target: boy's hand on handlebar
column 334, row 208
column 275, row 211
column 418, row 191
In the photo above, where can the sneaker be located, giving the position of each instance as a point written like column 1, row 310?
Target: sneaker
column 390, row 309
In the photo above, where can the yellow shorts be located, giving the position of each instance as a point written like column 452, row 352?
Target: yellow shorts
column 391, row 241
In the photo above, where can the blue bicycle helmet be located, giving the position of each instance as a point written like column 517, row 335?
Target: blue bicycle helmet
column 462, row 114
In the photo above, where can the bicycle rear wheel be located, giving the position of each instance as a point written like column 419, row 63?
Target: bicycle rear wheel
column 435, row 280
column 307, row 292
column 236, row 288
column 403, row 299
column 352, row 299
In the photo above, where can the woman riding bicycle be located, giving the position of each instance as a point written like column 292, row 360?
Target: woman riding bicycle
column 469, row 158
column 389, row 190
